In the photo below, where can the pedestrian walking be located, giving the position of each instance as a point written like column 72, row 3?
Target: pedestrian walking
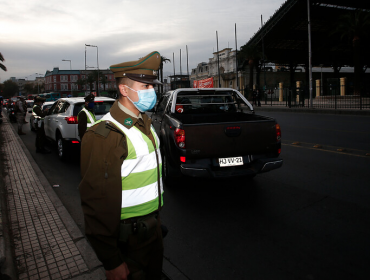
column 254, row 94
column 86, row 117
column 20, row 111
column 258, row 98
column 121, row 188
column 39, row 115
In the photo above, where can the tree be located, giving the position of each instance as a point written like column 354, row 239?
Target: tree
column 355, row 26
column 163, row 60
column 90, row 81
column 250, row 55
column 80, row 83
column 28, row 88
column 103, row 80
column 2, row 66
column 97, row 76
column 10, row 89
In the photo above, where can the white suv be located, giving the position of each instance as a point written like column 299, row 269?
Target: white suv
column 61, row 123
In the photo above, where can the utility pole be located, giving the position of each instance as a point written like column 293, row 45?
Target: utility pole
column 309, row 52
column 218, row 63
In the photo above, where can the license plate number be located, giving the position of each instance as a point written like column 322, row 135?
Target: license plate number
column 231, row 161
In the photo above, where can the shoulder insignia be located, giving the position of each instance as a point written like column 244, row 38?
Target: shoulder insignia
column 102, row 130
column 128, row 121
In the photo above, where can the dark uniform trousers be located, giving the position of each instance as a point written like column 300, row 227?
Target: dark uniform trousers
column 143, row 250
column 40, row 136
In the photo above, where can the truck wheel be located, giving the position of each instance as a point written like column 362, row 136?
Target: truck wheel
column 61, row 148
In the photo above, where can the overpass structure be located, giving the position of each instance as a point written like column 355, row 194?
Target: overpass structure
column 285, row 35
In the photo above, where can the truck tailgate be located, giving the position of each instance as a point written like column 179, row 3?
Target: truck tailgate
column 230, row 139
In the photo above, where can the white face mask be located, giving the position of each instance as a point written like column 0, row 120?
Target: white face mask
column 147, row 99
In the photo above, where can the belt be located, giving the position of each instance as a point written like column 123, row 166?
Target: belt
column 138, row 219
column 143, row 225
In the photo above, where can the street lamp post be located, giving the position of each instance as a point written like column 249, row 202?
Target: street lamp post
column 38, row 85
column 321, row 84
column 97, row 62
column 70, row 63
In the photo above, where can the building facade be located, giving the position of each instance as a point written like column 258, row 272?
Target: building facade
column 225, row 60
column 73, row 82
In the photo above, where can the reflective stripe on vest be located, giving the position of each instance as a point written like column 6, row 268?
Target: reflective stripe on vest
column 139, row 172
column 91, row 120
column 34, row 114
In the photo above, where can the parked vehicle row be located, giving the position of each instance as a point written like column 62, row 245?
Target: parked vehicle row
column 203, row 132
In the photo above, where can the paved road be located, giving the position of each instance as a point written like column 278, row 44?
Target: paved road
column 307, row 220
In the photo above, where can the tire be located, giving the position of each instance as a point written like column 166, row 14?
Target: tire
column 62, row 148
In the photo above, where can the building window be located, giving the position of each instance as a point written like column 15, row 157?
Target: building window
column 55, row 87
column 64, row 87
column 55, row 79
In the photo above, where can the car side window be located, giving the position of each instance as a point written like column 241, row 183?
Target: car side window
column 162, row 105
column 52, row 108
column 58, row 107
column 63, row 107
column 168, row 108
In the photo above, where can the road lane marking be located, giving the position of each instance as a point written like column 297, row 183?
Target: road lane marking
column 342, row 151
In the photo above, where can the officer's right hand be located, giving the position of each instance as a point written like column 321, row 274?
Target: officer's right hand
column 119, row 273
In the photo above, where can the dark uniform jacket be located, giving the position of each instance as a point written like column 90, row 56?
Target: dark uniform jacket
column 39, row 112
column 103, row 150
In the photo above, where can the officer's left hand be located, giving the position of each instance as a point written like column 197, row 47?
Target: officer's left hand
column 119, row 273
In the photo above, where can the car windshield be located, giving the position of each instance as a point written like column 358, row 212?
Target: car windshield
column 100, row 108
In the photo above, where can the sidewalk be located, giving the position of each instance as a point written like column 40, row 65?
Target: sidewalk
column 47, row 242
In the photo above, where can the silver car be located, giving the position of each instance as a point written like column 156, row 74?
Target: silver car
column 61, row 123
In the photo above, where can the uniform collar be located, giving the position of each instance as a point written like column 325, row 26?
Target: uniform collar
column 129, row 120
column 129, row 112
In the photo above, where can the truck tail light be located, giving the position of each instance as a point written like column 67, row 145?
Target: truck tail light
column 278, row 133
column 71, row 120
column 180, row 138
column 278, row 136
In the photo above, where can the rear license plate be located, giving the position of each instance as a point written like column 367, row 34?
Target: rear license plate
column 231, row 161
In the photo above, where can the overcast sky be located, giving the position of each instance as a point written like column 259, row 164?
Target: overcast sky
column 36, row 35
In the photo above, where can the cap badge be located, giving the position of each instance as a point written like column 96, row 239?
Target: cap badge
column 128, row 121
column 154, row 73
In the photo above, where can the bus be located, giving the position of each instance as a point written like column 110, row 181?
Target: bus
column 50, row 96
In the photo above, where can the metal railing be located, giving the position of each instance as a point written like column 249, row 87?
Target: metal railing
column 331, row 96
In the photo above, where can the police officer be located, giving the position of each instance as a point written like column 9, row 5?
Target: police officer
column 86, row 117
column 121, row 188
column 39, row 115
